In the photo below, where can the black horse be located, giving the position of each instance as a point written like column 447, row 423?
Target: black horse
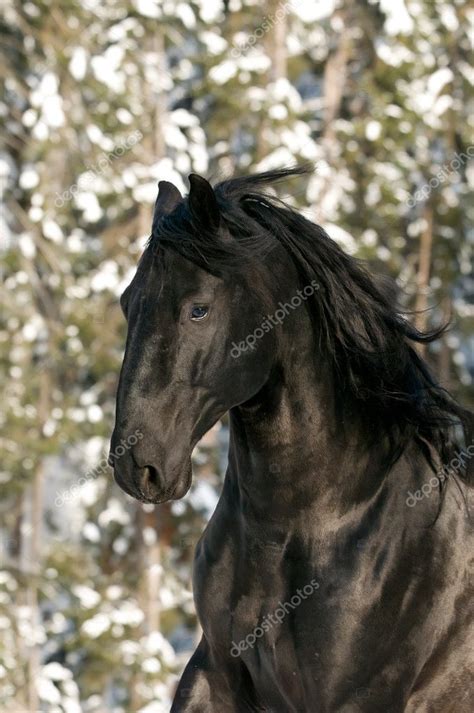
column 336, row 571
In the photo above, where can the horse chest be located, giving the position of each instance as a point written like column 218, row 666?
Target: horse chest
column 244, row 595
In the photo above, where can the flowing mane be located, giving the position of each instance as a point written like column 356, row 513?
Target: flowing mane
column 365, row 338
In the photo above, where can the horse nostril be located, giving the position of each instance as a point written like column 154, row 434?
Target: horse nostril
column 150, row 480
column 151, row 474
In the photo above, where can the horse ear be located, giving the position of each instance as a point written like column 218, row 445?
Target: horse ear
column 168, row 199
column 203, row 202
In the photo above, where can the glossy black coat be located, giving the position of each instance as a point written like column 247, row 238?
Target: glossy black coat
column 319, row 586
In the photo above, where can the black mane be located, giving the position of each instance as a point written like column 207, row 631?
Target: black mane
column 364, row 336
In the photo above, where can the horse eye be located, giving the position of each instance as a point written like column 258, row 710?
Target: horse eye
column 198, row 312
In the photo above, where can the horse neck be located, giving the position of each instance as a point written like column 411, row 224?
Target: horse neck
column 292, row 448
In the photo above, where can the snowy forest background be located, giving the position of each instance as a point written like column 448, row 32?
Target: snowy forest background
column 100, row 100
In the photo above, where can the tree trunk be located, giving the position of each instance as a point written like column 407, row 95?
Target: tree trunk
column 335, row 77
column 275, row 45
column 334, row 86
column 444, row 359
column 33, row 532
column 276, row 40
column 423, row 276
column 153, row 568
